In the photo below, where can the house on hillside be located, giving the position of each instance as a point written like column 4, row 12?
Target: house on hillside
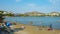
column 54, row 14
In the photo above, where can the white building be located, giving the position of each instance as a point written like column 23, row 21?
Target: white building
column 54, row 14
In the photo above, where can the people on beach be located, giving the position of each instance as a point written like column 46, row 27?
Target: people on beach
column 22, row 27
column 50, row 27
column 3, row 29
column 0, row 28
column 5, row 26
column 8, row 24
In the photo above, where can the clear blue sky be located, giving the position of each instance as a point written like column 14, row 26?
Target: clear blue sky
column 22, row 6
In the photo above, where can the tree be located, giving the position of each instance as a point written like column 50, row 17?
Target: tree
column 22, row 15
column 10, row 14
column 1, row 16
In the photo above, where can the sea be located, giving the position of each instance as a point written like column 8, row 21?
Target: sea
column 37, row 21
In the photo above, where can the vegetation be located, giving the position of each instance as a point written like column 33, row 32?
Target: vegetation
column 22, row 15
column 10, row 14
column 1, row 16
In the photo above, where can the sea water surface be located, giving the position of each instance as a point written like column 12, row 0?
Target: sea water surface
column 37, row 21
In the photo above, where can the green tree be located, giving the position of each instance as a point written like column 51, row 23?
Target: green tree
column 22, row 15
column 10, row 14
column 1, row 16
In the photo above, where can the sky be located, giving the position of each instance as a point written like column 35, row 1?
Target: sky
column 23, row 6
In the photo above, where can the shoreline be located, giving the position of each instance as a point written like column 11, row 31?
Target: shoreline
column 34, row 30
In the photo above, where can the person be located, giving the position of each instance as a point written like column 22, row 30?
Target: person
column 50, row 28
column 22, row 27
column 7, row 24
column 0, row 28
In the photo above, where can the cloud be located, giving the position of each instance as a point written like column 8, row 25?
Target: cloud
column 18, row 0
column 31, row 5
column 54, row 1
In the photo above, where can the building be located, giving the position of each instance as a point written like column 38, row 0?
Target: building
column 54, row 14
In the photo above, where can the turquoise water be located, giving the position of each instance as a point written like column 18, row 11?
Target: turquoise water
column 38, row 21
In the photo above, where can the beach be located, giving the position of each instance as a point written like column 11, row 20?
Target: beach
column 29, row 29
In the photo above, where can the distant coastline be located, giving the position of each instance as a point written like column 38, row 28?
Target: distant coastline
column 34, row 13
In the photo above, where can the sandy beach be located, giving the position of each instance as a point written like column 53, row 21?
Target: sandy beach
column 34, row 30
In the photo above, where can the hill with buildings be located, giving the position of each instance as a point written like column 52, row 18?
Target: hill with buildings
column 33, row 13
